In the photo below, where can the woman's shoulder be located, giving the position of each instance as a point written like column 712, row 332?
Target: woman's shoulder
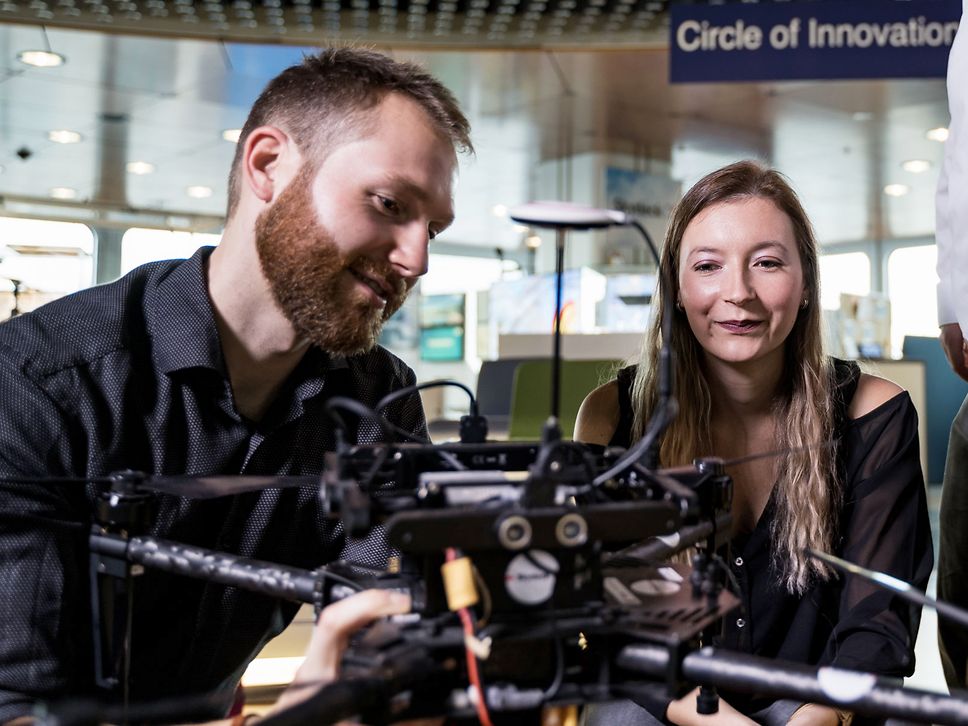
column 872, row 392
column 599, row 415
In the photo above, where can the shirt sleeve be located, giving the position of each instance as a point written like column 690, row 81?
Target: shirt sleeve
column 44, row 619
column 951, row 199
column 885, row 528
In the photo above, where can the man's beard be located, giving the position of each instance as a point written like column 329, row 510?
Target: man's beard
column 309, row 276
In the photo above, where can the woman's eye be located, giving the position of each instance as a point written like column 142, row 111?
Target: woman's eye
column 705, row 267
column 770, row 264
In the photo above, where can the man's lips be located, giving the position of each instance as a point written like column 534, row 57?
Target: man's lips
column 739, row 326
column 380, row 288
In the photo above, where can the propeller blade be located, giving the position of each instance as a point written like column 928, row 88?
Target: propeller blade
column 208, row 487
column 193, row 487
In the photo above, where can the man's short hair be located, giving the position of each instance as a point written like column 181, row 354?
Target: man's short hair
column 325, row 99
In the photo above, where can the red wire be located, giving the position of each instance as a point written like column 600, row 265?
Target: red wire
column 473, row 674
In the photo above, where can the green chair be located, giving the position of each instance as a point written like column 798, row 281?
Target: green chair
column 531, row 394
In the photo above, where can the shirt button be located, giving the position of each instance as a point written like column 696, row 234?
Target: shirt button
column 740, row 623
column 738, row 562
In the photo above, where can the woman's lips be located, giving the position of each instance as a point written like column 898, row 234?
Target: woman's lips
column 740, row 326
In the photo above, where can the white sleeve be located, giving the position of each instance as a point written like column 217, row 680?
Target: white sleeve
column 951, row 202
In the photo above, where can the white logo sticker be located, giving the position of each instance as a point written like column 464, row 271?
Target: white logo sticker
column 530, row 577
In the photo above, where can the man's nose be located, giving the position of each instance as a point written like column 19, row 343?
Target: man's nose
column 409, row 255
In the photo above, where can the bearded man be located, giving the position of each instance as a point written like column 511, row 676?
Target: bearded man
column 222, row 364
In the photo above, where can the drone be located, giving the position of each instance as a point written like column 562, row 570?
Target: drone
column 604, row 569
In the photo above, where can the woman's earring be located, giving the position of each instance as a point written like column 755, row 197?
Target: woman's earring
column 803, row 303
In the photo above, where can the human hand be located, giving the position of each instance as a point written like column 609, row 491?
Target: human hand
column 813, row 714
column 683, row 712
column 331, row 635
column 955, row 348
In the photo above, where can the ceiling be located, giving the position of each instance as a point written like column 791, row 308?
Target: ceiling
column 146, row 94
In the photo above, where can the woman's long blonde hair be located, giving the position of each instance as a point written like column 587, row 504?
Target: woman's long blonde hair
column 808, row 489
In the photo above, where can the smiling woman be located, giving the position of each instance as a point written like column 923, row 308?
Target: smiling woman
column 740, row 262
column 740, row 281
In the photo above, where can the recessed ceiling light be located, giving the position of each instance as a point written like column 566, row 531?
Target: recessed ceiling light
column 499, row 210
column 63, row 193
column 139, row 167
column 916, row 166
column 896, row 190
column 41, row 58
column 64, row 136
column 232, row 135
column 533, row 242
column 199, row 192
column 938, row 134
column 520, row 228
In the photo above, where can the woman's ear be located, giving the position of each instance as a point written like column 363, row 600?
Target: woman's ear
column 265, row 149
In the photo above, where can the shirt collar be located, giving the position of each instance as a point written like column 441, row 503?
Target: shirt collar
column 181, row 322
column 180, row 318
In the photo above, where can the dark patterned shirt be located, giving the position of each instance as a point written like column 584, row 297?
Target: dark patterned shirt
column 130, row 375
column 844, row 622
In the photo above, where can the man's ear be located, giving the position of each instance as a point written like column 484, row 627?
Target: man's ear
column 264, row 161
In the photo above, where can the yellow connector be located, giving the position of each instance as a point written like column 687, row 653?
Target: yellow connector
column 459, row 583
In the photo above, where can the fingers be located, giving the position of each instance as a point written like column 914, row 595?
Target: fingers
column 954, row 345
column 331, row 634
column 339, row 621
column 345, row 617
column 683, row 712
column 961, row 366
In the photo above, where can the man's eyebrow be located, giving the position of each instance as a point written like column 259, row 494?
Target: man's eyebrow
column 408, row 185
column 415, row 190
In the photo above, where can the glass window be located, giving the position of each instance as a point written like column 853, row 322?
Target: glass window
column 456, row 273
column 448, row 274
column 912, row 287
column 847, row 272
column 139, row 246
column 41, row 261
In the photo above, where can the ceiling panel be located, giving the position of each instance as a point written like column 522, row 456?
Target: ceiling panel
column 166, row 101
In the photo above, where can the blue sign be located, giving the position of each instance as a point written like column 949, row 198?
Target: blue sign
column 825, row 39
column 442, row 344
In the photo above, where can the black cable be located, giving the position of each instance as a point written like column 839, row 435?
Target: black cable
column 648, row 239
column 339, row 579
column 126, row 644
column 734, row 584
column 191, row 708
column 181, row 709
column 529, row 556
column 389, row 429
column 361, row 566
column 817, row 446
column 351, row 404
column 660, row 419
column 401, row 392
column 48, row 480
column 552, row 690
column 366, row 483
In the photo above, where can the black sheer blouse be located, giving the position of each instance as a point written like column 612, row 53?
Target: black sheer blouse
column 845, row 622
